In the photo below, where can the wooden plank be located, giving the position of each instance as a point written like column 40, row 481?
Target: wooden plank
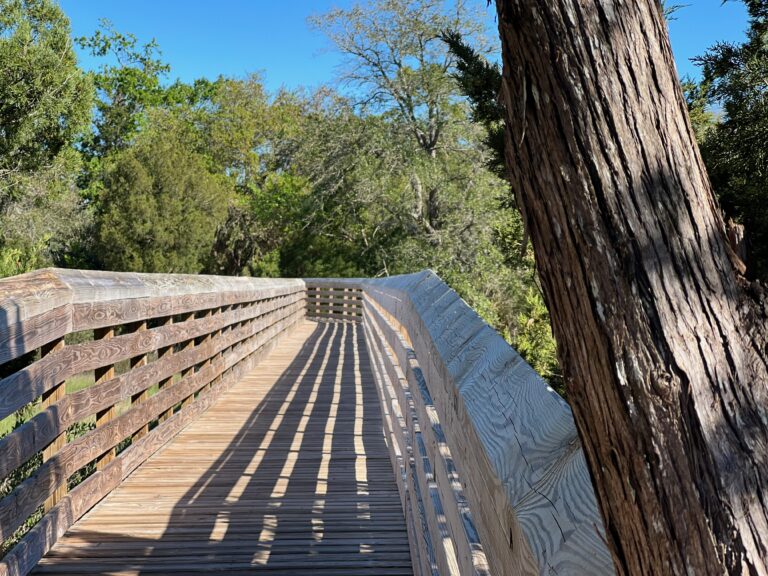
column 33, row 435
column 137, row 362
column 445, row 542
column 41, row 306
column 335, row 315
column 394, row 389
column 437, row 459
column 189, row 346
column 18, row 505
column 105, row 415
column 208, row 314
column 163, row 354
column 50, row 398
column 24, row 386
column 351, row 298
column 35, row 309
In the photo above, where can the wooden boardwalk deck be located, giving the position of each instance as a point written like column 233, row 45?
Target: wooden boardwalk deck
column 287, row 473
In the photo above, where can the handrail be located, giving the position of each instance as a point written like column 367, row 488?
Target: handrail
column 505, row 456
column 178, row 341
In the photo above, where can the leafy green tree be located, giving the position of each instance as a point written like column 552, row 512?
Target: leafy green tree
column 129, row 83
column 45, row 105
column 735, row 79
column 46, row 218
column 160, row 206
column 45, row 99
column 480, row 81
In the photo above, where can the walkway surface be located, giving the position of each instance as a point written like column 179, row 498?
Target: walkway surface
column 287, row 473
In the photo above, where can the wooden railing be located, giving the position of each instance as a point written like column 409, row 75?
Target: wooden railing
column 491, row 472
column 329, row 300
column 159, row 349
column 491, row 469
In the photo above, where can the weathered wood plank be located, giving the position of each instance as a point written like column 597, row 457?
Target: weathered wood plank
column 40, row 306
column 436, row 453
column 163, row 354
column 50, row 398
column 393, row 383
column 35, row 309
column 15, row 507
column 103, row 416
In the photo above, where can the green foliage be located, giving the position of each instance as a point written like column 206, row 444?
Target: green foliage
column 45, row 98
column 127, row 85
column 513, row 301
column 45, row 217
column 480, row 82
column 160, row 206
column 735, row 78
column 45, row 102
column 222, row 177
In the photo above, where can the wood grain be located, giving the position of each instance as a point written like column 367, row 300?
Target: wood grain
column 512, row 438
column 103, row 416
column 33, row 435
column 451, row 516
column 24, row 386
column 40, row 308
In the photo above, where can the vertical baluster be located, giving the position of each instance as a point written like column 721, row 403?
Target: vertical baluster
column 217, row 339
column 102, row 375
column 164, row 353
column 187, row 371
column 142, row 396
column 50, row 398
column 201, row 341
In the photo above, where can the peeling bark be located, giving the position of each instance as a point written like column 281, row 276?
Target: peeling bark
column 662, row 343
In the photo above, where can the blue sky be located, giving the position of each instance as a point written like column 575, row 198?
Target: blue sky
column 234, row 37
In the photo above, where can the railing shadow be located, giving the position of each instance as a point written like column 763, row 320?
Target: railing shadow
column 305, row 484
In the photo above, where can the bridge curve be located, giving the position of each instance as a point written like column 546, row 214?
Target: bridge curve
column 458, row 458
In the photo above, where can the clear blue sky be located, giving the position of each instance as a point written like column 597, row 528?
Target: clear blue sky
column 234, row 37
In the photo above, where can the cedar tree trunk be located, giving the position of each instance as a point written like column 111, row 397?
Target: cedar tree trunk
column 662, row 343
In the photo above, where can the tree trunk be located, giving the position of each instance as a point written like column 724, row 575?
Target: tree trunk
column 662, row 343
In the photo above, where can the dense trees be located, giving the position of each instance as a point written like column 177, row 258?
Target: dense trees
column 45, row 104
column 397, row 169
column 160, row 206
column 42, row 108
column 664, row 346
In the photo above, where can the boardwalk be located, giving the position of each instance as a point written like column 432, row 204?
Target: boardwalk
column 287, row 473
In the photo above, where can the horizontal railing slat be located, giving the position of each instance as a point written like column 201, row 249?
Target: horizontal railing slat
column 33, row 435
column 22, row 502
column 24, row 386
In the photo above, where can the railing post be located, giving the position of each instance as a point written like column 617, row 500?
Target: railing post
column 217, row 335
column 142, row 396
column 202, row 341
column 50, row 398
column 191, row 370
column 102, row 375
column 162, row 354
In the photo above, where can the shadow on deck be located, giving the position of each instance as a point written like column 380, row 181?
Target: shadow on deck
column 287, row 473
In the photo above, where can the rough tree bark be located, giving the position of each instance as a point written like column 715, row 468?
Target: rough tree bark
column 662, row 343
